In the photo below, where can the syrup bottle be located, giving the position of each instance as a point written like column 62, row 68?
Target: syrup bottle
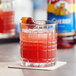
column 64, row 12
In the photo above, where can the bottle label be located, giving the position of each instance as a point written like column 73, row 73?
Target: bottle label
column 64, row 12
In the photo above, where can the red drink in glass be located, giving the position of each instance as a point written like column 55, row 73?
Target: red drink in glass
column 6, row 21
column 38, row 46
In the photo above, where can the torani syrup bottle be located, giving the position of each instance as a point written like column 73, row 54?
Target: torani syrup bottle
column 64, row 12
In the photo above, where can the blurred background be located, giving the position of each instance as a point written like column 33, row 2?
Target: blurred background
column 30, row 8
column 11, row 12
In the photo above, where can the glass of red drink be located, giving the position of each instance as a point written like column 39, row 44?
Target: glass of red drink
column 7, row 28
column 38, row 43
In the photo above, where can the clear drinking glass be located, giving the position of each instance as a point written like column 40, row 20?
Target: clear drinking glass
column 38, row 44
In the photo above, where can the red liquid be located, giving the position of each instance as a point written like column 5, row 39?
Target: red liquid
column 38, row 47
column 75, row 39
column 64, row 43
column 6, row 21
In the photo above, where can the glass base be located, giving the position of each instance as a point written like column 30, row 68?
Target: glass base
column 27, row 64
column 6, row 35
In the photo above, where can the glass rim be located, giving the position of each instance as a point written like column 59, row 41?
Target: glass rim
column 51, row 24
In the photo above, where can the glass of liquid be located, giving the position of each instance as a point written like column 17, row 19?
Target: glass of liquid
column 38, row 44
